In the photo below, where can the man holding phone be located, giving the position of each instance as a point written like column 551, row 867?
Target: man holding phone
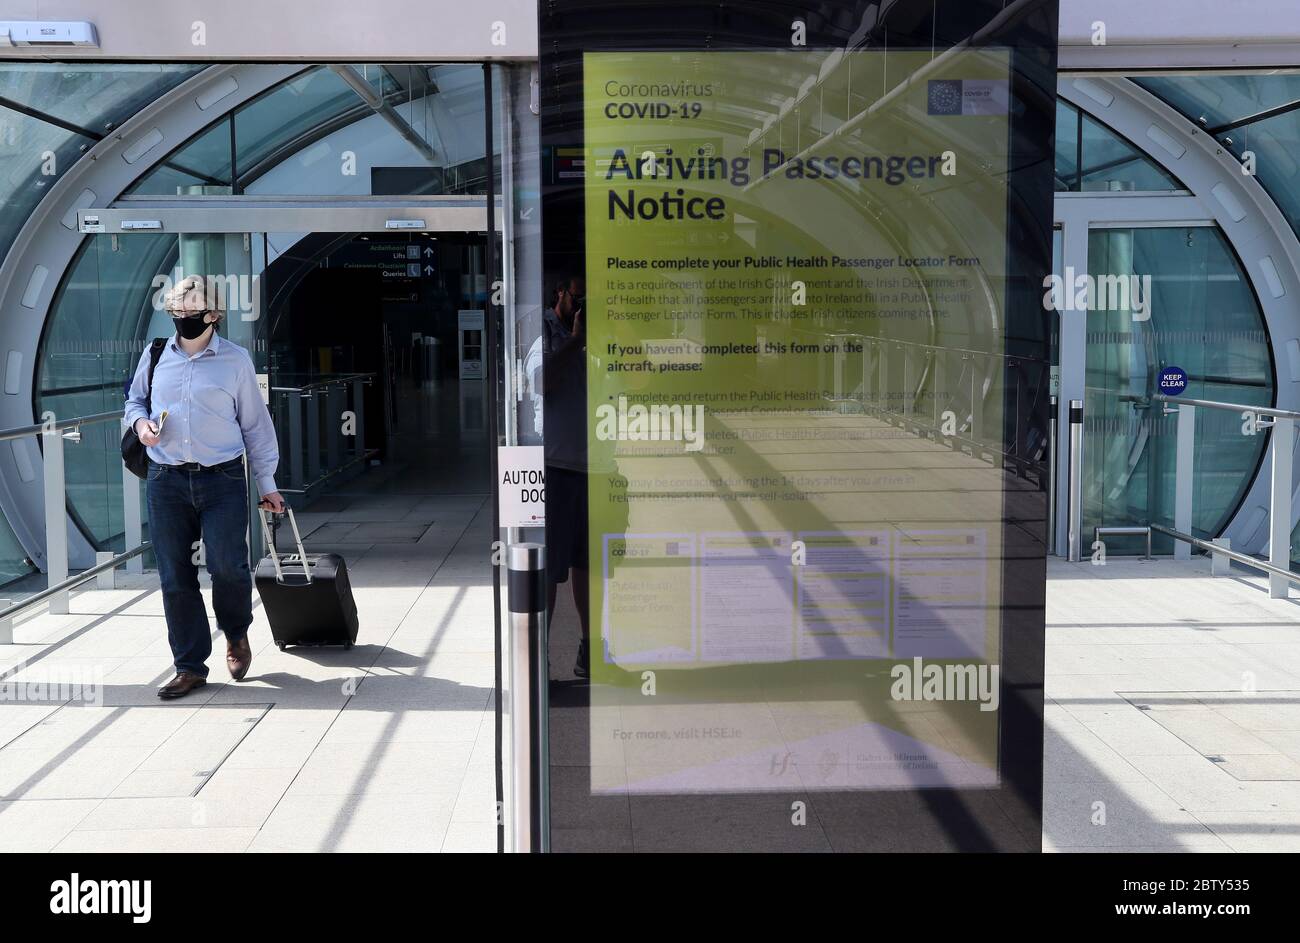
column 207, row 418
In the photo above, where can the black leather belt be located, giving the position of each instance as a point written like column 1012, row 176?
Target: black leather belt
column 196, row 467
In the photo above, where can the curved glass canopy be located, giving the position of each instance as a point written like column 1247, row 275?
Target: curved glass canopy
column 1256, row 114
column 392, row 129
column 1090, row 156
column 402, row 129
column 421, row 130
column 51, row 113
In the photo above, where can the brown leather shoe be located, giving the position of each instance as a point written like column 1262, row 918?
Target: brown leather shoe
column 181, row 685
column 239, row 656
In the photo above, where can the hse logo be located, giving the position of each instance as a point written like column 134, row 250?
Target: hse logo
column 77, row 896
column 918, row 681
column 651, row 422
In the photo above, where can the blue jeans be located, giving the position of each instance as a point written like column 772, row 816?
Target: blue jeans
column 182, row 506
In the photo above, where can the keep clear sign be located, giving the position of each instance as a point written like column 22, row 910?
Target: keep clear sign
column 521, row 486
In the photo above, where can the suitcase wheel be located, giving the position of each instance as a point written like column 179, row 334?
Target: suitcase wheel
column 281, row 645
column 347, row 646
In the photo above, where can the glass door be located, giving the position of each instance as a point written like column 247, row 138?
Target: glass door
column 1168, row 296
column 1147, row 282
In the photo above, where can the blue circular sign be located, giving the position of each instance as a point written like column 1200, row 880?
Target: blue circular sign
column 1172, row 380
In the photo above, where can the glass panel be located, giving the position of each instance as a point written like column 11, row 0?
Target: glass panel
column 453, row 118
column 1067, row 146
column 752, row 525
column 1108, row 161
column 33, row 155
column 520, row 367
column 1058, row 263
column 1213, row 100
column 95, row 98
column 285, row 118
column 98, row 321
column 89, row 100
column 419, row 130
column 103, row 315
column 1111, row 163
column 1200, row 315
column 203, row 161
column 425, row 137
column 13, row 558
column 1274, row 141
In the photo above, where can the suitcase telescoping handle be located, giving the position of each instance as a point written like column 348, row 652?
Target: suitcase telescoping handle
column 270, row 543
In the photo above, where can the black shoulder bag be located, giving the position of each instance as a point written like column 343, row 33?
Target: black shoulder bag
column 134, row 455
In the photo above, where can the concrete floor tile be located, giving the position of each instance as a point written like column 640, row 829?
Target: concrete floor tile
column 1199, row 785
column 356, row 823
column 1113, row 814
column 470, row 838
column 229, row 799
column 383, row 768
column 158, row 840
column 1271, row 831
column 83, row 773
column 358, row 725
column 38, row 825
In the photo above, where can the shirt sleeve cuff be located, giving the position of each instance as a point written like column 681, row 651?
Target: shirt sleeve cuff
column 265, row 485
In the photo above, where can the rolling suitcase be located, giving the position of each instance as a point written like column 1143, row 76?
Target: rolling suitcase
column 308, row 599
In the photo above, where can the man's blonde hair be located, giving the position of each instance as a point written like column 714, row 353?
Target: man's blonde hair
column 195, row 293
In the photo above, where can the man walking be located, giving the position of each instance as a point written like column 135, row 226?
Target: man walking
column 206, row 416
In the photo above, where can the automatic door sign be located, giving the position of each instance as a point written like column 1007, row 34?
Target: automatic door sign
column 521, row 485
column 1172, row 381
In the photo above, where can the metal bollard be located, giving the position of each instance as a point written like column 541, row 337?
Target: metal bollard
column 1075, row 507
column 526, row 599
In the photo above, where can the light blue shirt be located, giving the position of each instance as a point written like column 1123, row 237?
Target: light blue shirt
column 214, row 409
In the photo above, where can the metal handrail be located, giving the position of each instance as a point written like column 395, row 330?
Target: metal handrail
column 20, row 432
column 1121, row 530
column 368, row 453
column 320, row 384
column 1230, row 407
column 72, row 582
column 1243, row 558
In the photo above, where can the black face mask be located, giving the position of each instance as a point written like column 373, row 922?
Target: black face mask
column 191, row 328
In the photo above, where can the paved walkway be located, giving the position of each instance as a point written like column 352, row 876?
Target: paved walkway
column 1173, row 710
column 1172, row 715
column 388, row 747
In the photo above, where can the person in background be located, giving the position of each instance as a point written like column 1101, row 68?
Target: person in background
column 207, row 417
column 564, row 345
